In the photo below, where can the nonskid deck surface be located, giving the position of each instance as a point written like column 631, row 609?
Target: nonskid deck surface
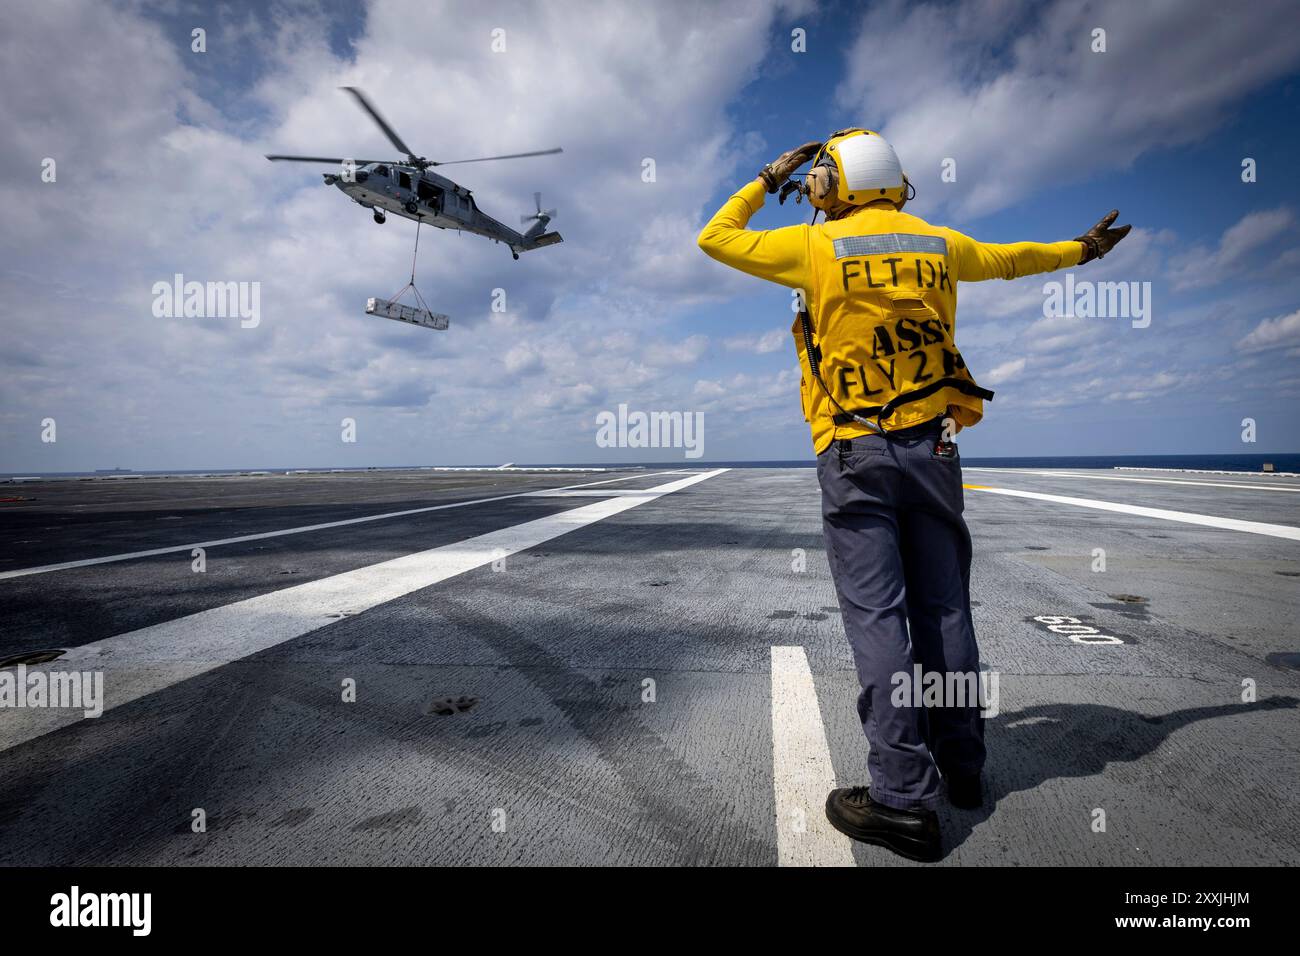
column 629, row 667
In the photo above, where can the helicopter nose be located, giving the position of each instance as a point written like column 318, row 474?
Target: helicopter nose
column 330, row 179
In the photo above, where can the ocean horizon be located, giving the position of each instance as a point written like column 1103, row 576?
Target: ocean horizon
column 1253, row 463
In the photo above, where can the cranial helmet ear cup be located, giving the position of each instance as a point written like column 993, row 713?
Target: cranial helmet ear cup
column 822, row 183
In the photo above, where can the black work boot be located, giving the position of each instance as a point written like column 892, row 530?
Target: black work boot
column 965, row 791
column 910, row 833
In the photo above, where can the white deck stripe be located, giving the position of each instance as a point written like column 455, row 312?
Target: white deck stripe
column 1151, row 481
column 1187, row 517
column 589, row 493
column 172, row 549
column 153, row 658
column 802, row 774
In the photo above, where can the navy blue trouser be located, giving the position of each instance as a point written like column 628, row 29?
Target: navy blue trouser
column 900, row 556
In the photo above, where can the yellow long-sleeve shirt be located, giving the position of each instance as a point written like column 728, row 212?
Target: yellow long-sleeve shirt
column 880, row 287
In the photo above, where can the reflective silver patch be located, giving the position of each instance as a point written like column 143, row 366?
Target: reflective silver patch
column 889, row 242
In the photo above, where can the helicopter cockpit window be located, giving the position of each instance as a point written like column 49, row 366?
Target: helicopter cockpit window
column 381, row 171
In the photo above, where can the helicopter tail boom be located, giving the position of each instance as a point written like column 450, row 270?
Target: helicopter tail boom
column 531, row 242
column 547, row 239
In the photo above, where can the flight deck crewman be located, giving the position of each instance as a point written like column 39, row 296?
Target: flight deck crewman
column 884, row 389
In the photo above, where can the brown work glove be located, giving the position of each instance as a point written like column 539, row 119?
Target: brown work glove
column 775, row 173
column 1100, row 239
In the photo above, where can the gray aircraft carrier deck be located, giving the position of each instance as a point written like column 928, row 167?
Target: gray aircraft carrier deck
column 631, row 667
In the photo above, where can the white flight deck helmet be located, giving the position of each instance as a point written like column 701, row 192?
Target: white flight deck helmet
column 856, row 167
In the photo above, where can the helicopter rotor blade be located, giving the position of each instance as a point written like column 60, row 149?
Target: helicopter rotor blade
column 375, row 115
column 484, row 159
column 332, row 159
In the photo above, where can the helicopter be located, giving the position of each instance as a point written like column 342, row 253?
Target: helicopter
column 409, row 188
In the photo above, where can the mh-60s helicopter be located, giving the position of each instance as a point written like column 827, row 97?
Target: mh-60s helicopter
column 409, row 189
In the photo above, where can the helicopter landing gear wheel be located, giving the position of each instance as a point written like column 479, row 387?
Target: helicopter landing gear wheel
column 412, row 208
column 380, row 218
column 515, row 254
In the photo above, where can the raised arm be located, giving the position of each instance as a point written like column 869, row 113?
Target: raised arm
column 778, row 255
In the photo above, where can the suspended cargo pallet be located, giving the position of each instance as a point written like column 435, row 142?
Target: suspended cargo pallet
column 405, row 313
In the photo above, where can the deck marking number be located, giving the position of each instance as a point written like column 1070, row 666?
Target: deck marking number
column 1075, row 629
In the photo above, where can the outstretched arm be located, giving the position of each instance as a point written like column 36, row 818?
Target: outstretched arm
column 977, row 261
column 989, row 260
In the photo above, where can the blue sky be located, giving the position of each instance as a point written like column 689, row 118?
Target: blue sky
column 160, row 171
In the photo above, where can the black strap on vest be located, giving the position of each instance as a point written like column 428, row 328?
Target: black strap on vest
column 880, row 412
column 925, row 391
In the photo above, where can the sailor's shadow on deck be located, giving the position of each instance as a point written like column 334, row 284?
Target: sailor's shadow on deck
column 1031, row 746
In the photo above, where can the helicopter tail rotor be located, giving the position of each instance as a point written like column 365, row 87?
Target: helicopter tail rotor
column 541, row 216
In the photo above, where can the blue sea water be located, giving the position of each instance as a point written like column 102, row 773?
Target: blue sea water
column 1245, row 463
column 1242, row 463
